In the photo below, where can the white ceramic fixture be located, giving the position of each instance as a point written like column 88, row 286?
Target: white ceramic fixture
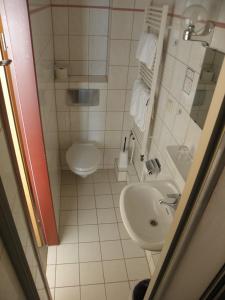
column 83, row 159
column 146, row 219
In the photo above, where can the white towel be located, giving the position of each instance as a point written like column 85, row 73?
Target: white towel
column 135, row 97
column 139, row 101
column 142, row 107
column 147, row 49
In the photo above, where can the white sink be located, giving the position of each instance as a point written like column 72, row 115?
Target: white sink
column 146, row 220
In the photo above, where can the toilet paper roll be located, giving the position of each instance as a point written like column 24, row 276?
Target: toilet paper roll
column 61, row 73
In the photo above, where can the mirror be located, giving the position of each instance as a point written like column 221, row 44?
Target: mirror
column 206, row 85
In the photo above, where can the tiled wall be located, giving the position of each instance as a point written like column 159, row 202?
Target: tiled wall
column 108, row 123
column 81, row 36
column 42, row 36
column 13, row 196
column 173, row 125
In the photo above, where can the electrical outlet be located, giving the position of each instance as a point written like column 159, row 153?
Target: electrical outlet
column 190, row 73
column 187, row 85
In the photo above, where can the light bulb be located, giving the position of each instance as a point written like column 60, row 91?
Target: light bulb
column 197, row 16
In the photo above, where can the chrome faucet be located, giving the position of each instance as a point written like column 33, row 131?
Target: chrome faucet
column 173, row 204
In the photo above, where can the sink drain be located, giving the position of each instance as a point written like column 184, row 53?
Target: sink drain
column 153, row 222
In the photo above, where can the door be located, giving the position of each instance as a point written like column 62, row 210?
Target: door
column 22, row 263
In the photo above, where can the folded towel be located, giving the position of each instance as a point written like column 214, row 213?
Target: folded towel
column 139, row 101
column 147, row 49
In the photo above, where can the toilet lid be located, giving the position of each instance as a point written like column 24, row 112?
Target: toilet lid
column 83, row 157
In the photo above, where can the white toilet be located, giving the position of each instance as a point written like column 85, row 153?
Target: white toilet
column 83, row 159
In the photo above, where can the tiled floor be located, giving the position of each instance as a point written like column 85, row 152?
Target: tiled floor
column 96, row 259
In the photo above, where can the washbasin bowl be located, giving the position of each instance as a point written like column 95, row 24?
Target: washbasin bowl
column 146, row 220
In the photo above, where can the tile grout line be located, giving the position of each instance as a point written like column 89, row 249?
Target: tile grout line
column 78, row 238
column 110, row 182
column 103, row 274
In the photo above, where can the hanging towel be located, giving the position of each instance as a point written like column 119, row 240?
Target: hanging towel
column 147, row 49
column 135, row 97
column 144, row 96
column 139, row 101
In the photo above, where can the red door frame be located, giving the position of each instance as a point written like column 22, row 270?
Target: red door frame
column 17, row 32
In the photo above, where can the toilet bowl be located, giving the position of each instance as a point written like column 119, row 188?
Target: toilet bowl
column 83, row 159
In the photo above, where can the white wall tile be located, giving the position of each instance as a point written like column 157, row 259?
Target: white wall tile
column 79, row 121
column 97, row 48
column 64, row 139
column 117, row 77
column 112, row 139
column 79, row 136
column 115, row 100
column 121, row 20
column 96, row 121
column 97, row 137
column 196, row 57
column 61, row 44
column 78, row 68
column 193, row 136
column 141, row 4
column 114, row 120
column 78, row 21
column 133, row 61
column 109, row 156
column 218, row 41
column 97, row 68
column 61, row 100
column 138, row 25
column 60, row 20
column 78, row 47
column 123, row 4
column 63, row 121
column 98, row 22
column 181, row 125
column 119, row 52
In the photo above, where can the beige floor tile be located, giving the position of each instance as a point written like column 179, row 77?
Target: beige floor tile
column 104, row 201
column 67, row 275
column 111, row 250
column 108, row 232
column 118, row 291
column 89, row 252
column 115, row 270
column 67, row 253
column 68, row 234
column 106, row 215
column 93, row 292
column 91, row 273
column 88, row 233
column 67, row 293
column 87, row 216
column 137, row 268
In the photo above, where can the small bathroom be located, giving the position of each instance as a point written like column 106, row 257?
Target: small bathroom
column 127, row 98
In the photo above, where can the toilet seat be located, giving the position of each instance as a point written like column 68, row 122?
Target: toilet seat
column 83, row 159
